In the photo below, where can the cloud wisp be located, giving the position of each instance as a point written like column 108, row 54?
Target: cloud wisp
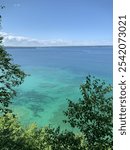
column 21, row 41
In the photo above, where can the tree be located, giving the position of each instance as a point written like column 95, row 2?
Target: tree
column 93, row 114
column 10, row 76
column 13, row 136
column 64, row 140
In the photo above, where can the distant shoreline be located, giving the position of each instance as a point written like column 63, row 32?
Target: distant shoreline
column 57, row 46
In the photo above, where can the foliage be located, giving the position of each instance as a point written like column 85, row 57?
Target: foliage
column 10, row 76
column 14, row 137
column 93, row 114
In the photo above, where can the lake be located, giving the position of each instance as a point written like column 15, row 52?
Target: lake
column 56, row 74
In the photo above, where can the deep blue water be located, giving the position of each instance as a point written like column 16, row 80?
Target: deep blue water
column 84, row 60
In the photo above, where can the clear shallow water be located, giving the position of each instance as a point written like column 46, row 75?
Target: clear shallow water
column 56, row 74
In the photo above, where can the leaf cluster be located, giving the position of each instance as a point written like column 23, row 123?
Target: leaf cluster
column 10, row 76
column 93, row 113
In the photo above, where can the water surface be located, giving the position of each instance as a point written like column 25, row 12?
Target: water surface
column 56, row 74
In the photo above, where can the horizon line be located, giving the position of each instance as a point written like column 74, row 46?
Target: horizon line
column 58, row 46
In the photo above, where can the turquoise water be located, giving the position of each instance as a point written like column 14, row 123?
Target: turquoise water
column 56, row 74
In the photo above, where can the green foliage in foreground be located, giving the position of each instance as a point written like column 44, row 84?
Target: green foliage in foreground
column 10, row 76
column 14, row 137
column 93, row 114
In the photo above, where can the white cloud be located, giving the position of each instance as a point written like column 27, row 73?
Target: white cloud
column 13, row 40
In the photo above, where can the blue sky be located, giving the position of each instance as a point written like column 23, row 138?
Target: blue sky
column 57, row 22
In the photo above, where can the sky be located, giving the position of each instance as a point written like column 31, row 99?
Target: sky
column 56, row 22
